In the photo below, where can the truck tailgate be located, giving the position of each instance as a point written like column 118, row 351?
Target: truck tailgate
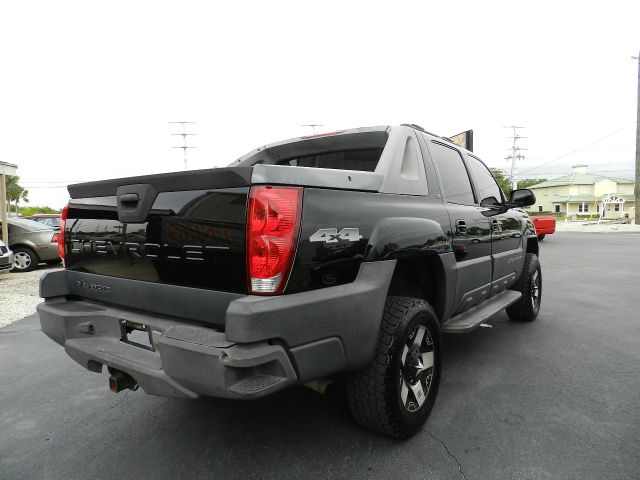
column 184, row 228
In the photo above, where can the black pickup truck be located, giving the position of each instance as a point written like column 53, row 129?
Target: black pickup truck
column 341, row 255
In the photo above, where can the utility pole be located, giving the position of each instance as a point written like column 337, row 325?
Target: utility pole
column 515, row 155
column 313, row 126
column 184, row 135
column 637, row 185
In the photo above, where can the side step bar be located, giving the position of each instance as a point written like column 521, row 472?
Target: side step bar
column 470, row 319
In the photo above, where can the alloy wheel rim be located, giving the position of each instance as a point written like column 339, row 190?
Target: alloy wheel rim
column 535, row 289
column 22, row 260
column 416, row 369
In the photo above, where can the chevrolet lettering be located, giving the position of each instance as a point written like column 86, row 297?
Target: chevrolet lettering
column 187, row 253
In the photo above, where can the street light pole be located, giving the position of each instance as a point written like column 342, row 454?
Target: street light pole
column 637, row 185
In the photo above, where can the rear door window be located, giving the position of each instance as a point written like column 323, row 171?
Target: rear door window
column 453, row 174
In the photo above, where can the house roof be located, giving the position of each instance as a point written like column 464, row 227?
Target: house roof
column 576, row 198
column 578, row 179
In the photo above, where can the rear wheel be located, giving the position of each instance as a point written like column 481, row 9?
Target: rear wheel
column 395, row 393
column 25, row 259
column 530, row 285
column 541, row 237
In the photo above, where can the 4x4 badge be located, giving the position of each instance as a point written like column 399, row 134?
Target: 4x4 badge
column 332, row 235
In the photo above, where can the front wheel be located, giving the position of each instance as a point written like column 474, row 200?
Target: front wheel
column 530, row 285
column 395, row 393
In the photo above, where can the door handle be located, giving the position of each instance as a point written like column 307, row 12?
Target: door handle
column 461, row 227
column 130, row 199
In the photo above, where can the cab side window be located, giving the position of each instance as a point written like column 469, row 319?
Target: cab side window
column 453, row 174
column 489, row 192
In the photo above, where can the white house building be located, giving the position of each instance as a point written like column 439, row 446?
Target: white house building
column 581, row 193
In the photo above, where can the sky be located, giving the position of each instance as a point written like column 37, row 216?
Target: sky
column 87, row 89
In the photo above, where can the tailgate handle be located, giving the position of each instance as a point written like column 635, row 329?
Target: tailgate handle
column 131, row 198
column 135, row 202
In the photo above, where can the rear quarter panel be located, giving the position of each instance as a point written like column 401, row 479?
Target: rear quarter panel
column 390, row 227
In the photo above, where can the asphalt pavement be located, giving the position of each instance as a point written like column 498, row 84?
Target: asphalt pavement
column 556, row 398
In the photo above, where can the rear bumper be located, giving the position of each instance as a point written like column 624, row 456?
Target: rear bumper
column 47, row 252
column 188, row 360
column 6, row 262
column 267, row 344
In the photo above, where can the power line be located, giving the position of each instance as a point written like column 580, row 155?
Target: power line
column 48, row 186
column 579, row 148
column 592, row 171
column 61, row 181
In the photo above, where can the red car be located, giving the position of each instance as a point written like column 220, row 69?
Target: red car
column 545, row 225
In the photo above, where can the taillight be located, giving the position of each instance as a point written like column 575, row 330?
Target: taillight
column 55, row 238
column 62, row 234
column 273, row 221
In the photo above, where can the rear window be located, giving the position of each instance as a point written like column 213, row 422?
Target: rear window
column 364, row 160
column 50, row 221
column 348, row 151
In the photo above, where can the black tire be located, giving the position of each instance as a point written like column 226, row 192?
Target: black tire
column 541, row 237
column 530, row 285
column 381, row 396
column 25, row 259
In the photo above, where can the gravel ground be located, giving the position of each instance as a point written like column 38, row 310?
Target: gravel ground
column 19, row 294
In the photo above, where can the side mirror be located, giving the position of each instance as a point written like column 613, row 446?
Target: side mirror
column 523, row 197
column 490, row 202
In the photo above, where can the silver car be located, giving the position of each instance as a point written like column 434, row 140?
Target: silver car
column 6, row 258
column 32, row 243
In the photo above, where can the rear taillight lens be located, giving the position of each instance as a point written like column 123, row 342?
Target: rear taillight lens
column 273, row 221
column 62, row 234
column 55, row 238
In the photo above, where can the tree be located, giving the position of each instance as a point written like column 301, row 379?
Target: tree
column 505, row 184
column 502, row 181
column 530, row 182
column 15, row 192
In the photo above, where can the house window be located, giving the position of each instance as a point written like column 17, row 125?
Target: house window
column 617, row 207
column 557, row 208
column 583, row 208
column 539, row 208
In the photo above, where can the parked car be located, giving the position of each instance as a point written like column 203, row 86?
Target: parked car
column 544, row 224
column 32, row 243
column 341, row 255
column 6, row 258
column 50, row 219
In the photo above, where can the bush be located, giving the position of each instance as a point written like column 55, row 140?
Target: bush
column 28, row 211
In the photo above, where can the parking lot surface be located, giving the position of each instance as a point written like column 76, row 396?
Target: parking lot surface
column 556, row 398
